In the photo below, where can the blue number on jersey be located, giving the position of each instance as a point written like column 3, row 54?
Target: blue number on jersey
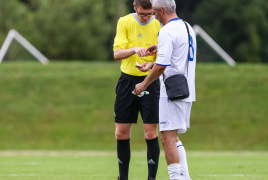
column 191, row 53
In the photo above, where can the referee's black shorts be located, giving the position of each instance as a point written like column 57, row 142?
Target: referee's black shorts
column 127, row 105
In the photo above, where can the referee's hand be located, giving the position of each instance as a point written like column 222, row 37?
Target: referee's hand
column 141, row 52
column 145, row 66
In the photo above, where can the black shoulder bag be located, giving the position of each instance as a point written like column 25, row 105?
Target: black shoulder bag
column 177, row 85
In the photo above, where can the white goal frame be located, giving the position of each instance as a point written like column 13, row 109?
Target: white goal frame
column 199, row 31
column 13, row 34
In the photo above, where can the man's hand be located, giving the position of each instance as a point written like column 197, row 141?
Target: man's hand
column 139, row 88
column 153, row 75
column 140, row 51
column 152, row 49
column 145, row 66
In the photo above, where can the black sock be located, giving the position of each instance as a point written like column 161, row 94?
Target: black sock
column 153, row 152
column 123, row 154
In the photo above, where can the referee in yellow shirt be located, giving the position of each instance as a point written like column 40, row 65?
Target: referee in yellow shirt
column 135, row 33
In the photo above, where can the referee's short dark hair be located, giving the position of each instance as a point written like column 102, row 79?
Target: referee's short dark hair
column 145, row 4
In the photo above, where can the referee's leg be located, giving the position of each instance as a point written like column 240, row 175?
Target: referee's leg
column 153, row 150
column 122, row 134
column 150, row 115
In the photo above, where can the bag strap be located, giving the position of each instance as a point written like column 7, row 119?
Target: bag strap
column 188, row 50
column 189, row 46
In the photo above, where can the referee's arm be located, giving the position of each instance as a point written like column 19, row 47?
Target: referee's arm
column 125, row 53
column 121, row 42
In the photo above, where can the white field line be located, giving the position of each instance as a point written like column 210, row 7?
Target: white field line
column 103, row 153
column 27, row 163
column 56, row 153
column 203, row 175
column 228, row 175
column 17, row 175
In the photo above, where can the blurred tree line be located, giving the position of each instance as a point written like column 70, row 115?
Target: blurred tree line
column 63, row 30
column 84, row 30
column 239, row 26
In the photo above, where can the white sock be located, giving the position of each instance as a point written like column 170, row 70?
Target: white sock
column 183, row 161
column 174, row 171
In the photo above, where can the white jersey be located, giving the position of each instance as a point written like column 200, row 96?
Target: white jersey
column 173, row 45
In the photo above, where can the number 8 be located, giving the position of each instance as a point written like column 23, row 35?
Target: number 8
column 191, row 53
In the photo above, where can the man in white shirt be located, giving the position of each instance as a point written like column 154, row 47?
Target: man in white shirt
column 176, row 55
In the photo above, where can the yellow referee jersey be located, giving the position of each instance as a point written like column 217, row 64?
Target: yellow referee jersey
column 132, row 33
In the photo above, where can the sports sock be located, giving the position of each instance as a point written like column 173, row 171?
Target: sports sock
column 174, row 171
column 123, row 154
column 153, row 152
column 183, row 161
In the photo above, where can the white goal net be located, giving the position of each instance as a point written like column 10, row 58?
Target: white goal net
column 208, row 50
column 20, row 49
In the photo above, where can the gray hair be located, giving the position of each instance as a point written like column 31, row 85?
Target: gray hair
column 168, row 5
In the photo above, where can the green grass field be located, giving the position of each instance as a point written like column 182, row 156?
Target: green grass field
column 103, row 166
column 69, row 105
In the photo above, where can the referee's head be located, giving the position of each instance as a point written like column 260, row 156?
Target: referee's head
column 144, row 10
column 145, row 4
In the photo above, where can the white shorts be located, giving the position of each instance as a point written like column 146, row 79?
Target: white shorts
column 174, row 115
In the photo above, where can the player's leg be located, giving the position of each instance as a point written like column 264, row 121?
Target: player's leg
column 169, row 139
column 183, row 161
column 153, row 149
column 186, row 107
column 150, row 115
column 171, row 117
